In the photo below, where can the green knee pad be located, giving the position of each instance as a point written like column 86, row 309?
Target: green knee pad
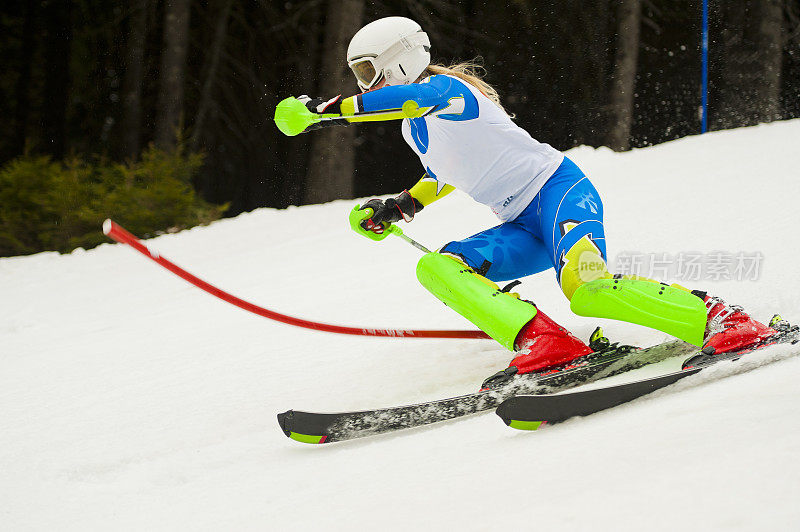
column 666, row 308
column 499, row 314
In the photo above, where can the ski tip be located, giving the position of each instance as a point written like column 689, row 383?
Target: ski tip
column 107, row 224
column 504, row 414
column 502, row 410
column 285, row 421
column 524, row 425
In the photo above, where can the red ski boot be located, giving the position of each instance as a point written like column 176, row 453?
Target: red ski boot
column 539, row 344
column 728, row 327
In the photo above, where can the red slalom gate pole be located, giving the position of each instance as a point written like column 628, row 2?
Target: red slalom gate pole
column 118, row 233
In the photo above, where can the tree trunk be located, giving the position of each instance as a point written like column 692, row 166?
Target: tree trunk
column 217, row 45
column 132, row 83
column 629, row 16
column 292, row 191
column 770, row 50
column 22, row 88
column 58, row 24
column 330, row 173
column 173, row 72
column 751, row 40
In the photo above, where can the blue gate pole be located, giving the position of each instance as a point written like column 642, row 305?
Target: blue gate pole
column 704, row 48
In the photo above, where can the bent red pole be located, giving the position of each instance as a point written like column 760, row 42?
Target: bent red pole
column 118, row 233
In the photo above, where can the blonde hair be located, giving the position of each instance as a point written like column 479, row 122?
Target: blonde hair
column 469, row 71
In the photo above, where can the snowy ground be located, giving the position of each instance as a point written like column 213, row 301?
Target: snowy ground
column 132, row 400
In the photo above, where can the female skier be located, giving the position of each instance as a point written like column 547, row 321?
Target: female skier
column 551, row 216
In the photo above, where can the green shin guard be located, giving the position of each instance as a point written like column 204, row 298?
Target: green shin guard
column 499, row 314
column 665, row 308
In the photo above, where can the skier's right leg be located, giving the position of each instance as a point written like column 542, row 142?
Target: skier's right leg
column 462, row 276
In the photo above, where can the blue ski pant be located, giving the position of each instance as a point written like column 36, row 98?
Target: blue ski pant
column 567, row 209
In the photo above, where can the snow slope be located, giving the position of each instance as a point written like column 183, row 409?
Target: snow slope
column 130, row 400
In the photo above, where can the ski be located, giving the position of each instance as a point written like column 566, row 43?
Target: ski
column 529, row 412
column 313, row 427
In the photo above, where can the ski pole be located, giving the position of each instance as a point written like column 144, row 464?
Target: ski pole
column 292, row 117
column 396, row 231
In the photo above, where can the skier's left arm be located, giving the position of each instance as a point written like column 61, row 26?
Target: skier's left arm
column 429, row 189
column 374, row 217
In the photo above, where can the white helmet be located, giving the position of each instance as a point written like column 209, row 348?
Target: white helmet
column 394, row 48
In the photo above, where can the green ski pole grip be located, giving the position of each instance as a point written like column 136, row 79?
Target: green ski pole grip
column 292, row 117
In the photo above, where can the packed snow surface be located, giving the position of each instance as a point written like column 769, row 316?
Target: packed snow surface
column 130, row 399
